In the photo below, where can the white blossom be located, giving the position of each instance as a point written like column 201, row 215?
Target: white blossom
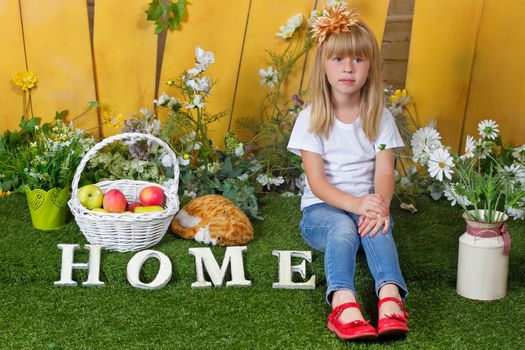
column 190, row 194
column 519, row 153
column 470, row 147
column 313, row 17
column 184, row 160
column 424, row 141
column 294, row 22
column 204, row 59
column 488, row 129
column 454, row 197
column 197, row 102
column 166, row 161
column 162, row 100
column 269, row 76
column 199, row 84
column 517, row 213
column 440, row 163
column 239, row 150
column 268, row 179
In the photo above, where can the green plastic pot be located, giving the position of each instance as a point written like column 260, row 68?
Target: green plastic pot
column 48, row 208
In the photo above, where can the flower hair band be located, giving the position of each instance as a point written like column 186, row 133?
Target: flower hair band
column 336, row 19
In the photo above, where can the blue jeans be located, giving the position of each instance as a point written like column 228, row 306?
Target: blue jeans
column 334, row 232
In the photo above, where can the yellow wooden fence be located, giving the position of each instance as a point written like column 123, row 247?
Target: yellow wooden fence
column 465, row 61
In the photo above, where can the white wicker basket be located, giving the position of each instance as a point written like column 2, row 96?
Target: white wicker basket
column 126, row 232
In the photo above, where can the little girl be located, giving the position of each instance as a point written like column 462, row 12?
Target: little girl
column 346, row 140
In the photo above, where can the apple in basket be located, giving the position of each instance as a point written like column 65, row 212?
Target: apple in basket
column 152, row 196
column 90, row 196
column 114, row 201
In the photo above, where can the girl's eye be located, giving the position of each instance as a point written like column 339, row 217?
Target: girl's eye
column 358, row 60
column 337, row 59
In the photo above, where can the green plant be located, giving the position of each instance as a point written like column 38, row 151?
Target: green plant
column 166, row 14
column 489, row 176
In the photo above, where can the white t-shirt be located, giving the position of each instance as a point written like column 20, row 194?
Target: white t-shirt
column 348, row 155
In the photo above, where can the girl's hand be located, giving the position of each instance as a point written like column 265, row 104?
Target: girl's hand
column 370, row 226
column 371, row 205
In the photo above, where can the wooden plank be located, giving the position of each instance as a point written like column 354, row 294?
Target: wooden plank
column 266, row 16
column 13, row 61
column 125, row 48
column 497, row 90
column 216, row 26
column 59, row 53
column 440, row 62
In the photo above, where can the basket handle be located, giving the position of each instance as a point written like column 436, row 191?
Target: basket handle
column 130, row 136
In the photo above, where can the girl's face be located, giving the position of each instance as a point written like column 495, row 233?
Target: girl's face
column 346, row 75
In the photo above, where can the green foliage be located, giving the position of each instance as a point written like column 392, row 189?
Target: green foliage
column 41, row 156
column 166, row 14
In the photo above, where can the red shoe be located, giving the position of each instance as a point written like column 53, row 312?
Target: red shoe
column 392, row 324
column 357, row 329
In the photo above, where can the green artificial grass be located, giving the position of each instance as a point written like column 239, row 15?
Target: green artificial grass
column 37, row 315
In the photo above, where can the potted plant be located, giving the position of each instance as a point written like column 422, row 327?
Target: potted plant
column 47, row 165
column 488, row 182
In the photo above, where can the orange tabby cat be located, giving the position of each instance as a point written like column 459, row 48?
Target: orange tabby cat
column 213, row 219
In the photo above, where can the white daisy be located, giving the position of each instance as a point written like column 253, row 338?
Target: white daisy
column 488, row 129
column 423, row 142
column 269, row 76
column 452, row 195
column 470, row 147
column 440, row 163
column 519, row 153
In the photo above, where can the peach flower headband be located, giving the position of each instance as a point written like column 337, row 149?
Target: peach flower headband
column 337, row 19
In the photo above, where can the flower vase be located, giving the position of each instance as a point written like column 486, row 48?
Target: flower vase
column 48, row 209
column 483, row 259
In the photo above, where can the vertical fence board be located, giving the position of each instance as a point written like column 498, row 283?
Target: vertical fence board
column 266, row 16
column 13, row 61
column 125, row 50
column 216, row 26
column 497, row 90
column 59, row 53
column 440, row 62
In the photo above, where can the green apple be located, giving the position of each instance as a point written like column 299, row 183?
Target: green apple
column 149, row 209
column 90, row 196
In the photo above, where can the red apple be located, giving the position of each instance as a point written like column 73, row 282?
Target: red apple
column 132, row 207
column 152, row 195
column 114, row 201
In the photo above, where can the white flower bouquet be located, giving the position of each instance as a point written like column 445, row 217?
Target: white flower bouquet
column 488, row 176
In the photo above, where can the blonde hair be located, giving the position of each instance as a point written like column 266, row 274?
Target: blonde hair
column 358, row 42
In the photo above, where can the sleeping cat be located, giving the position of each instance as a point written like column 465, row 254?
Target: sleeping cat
column 213, row 219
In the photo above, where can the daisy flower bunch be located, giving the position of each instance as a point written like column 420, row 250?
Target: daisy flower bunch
column 488, row 176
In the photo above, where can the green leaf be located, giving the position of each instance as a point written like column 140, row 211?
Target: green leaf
column 154, row 10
